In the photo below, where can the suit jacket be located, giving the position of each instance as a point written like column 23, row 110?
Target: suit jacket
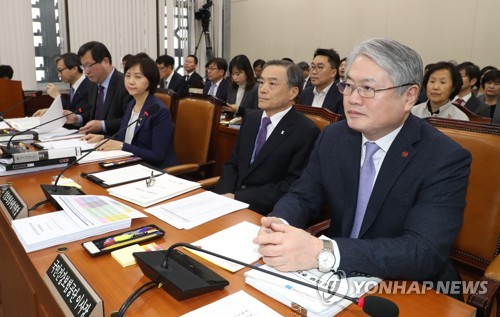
column 178, row 84
column 476, row 106
column 278, row 164
column 115, row 103
column 80, row 98
column 334, row 100
column 153, row 139
column 195, row 81
column 221, row 89
column 250, row 100
column 415, row 210
column 495, row 118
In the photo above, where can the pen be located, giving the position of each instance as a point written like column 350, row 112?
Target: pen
column 144, row 237
column 127, row 236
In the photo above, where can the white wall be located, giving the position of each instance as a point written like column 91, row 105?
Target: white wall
column 438, row 29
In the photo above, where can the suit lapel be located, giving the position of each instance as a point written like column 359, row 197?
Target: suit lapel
column 110, row 92
column 399, row 155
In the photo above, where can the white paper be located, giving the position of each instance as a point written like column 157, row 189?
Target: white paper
column 55, row 111
column 239, row 304
column 59, row 134
column 97, row 156
column 195, row 210
column 234, row 242
column 62, row 144
column 126, row 174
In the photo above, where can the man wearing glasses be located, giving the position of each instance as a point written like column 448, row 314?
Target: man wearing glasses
column 107, row 94
column 70, row 72
column 394, row 185
column 169, row 78
column 216, row 84
column 322, row 93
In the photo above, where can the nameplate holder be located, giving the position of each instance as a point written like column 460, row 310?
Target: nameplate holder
column 11, row 204
column 72, row 292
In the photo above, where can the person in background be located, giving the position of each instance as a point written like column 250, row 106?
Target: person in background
column 258, row 65
column 442, row 82
column 69, row 69
column 273, row 143
column 465, row 97
column 490, row 100
column 394, row 185
column 169, row 78
column 307, row 78
column 479, row 89
column 193, row 79
column 216, row 84
column 107, row 94
column 152, row 137
column 342, row 67
column 242, row 94
column 125, row 59
column 6, row 72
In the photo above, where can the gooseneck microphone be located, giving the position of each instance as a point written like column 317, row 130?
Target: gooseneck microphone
column 183, row 277
column 50, row 190
column 36, row 94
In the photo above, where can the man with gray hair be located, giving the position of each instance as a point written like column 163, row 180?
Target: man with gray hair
column 273, row 144
column 394, row 185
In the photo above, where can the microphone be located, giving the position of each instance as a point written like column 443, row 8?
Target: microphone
column 36, row 94
column 50, row 190
column 183, row 277
column 8, row 148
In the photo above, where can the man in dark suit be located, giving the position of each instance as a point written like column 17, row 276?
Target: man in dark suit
column 465, row 97
column 260, row 174
column 170, row 79
column 194, row 80
column 394, row 185
column 70, row 72
column 107, row 94
column 216, row 84
column 323, row 92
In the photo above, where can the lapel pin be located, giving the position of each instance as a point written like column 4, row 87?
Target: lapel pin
column 404, row 154
column 282, row 132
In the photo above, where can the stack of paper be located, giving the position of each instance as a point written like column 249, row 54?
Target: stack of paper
column 316, row 303
column 65, row 143
column 195, row 210
column 165, row 186
column 82, row 217
column 97, row 156
column 123, row 175
column 49, row 119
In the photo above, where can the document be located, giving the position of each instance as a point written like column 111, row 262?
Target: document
column 195, row 210
column 239, row 304
column 55, row 111
column 66, row 143
column 81, row 217
column 59, row 134
column 146, row 194
column 123, row 175
column 234, row 242
column 98, row 156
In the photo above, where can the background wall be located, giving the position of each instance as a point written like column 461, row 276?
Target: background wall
column 439, row 30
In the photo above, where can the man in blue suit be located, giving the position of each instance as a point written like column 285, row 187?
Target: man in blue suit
column 394, row 185
column 216, row 84
column 323, row 93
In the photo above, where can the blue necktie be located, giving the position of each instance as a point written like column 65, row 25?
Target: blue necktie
column 71, row 94
column 212, row 89
column 261, row 137
column 99, row 111
column 366, row 179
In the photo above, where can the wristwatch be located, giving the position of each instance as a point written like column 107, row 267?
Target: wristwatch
column 326, row 258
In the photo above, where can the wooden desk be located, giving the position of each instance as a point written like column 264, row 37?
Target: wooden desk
column 23, row 292
column 225, row 143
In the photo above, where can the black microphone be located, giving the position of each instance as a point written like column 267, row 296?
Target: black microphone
column 50, row 190
column 8, row 148
column 184, row 277
column 36, row 94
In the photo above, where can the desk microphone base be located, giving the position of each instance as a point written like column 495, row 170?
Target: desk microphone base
column 184, row 278
column 50, row 190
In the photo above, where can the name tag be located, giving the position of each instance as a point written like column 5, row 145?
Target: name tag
column 11, row 204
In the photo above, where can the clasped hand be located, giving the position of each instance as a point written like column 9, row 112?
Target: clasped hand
column 99, row 139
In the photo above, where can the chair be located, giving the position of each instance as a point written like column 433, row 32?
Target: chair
column 170, row 99
column 472, row 116
column 196, row 129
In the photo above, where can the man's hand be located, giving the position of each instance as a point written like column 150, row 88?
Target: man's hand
column 93, row 126
column 92, row 138
column 40, row 112
column 110, row 145
column 229, row 195
column 52, row 90
column 287, row 248
column 230, row 108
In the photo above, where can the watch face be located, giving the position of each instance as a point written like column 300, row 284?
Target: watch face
column 326, row 260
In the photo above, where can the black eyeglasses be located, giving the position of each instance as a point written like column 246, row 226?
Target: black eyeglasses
column 89, row 66
column 61, row 70
column 364, row 91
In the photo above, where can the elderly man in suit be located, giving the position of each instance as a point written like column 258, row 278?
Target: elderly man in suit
column 169, row 78
column 323, row 72
column 273, row 144
column 394, row 185
column 70, row 72
column 107, row 94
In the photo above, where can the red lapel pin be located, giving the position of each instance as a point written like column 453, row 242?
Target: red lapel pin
column 404, row 154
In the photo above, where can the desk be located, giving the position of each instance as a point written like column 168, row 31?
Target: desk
column 224, row 147
column 23, row 292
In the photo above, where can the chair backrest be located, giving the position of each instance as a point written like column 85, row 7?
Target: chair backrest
column 472, row 116
column 479, row 239
column 320, row 116
column 170, row 99
column 196, row 128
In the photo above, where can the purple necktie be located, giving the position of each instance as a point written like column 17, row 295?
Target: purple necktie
column 366, row 179
column 99, row 111
column 261, row 137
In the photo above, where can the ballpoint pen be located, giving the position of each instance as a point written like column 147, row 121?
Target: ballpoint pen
column 135, row 239
column 127, row 236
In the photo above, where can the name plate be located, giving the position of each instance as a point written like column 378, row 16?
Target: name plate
column 72, row 292
column 11, row 204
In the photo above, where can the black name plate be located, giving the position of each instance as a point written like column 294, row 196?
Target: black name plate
column 74, row 295
column 12, row 205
